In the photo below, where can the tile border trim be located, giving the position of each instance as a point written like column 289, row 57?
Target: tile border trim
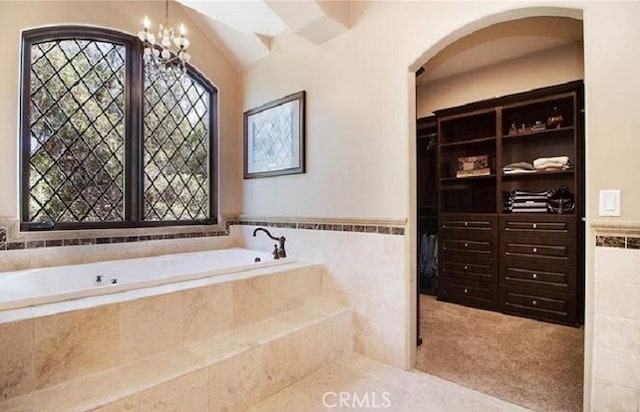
column 619, row 234
column 380, row 226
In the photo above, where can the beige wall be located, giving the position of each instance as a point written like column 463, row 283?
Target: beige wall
column 546, row 68
column 361, row 109
column 125, row 16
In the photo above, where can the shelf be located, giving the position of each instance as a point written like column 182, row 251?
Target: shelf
column 537, row 174
column 469, row 142
column 464, row 179
column 542, row 134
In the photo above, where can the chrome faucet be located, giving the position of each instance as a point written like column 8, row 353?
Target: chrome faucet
column 278, row 251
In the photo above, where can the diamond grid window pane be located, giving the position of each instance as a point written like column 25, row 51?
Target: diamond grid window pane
column 76, row 159
column 176, row 149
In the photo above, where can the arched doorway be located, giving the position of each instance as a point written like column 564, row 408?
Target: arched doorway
column 454, row 98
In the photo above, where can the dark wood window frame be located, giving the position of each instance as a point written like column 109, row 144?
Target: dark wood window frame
column 134, row 130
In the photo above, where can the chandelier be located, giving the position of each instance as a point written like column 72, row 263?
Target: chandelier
column 160, row 56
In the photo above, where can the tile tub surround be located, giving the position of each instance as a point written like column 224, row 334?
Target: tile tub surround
column 42, row 351
column 23, row 250
column 367, row 273
column 616, row 314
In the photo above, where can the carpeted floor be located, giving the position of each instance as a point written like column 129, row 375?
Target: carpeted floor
column 534, row 364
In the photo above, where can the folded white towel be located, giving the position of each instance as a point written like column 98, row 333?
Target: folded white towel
column 543, row 161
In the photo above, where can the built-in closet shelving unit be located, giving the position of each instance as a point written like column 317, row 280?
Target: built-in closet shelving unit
column 526, row 264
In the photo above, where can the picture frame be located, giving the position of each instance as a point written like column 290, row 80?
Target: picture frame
column 274, row 137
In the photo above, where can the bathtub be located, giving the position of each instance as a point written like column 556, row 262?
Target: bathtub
column 60, row 283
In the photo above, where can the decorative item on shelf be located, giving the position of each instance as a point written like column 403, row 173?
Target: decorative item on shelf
column 561, row 200
column 537, row 126
column 160, row 57
column 473, row 166
column 513, row 130
column 555, row 119
column 523, row 128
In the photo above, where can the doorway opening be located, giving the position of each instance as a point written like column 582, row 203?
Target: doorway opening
column 534, row 363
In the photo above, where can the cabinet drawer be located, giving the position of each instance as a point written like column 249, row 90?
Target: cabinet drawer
column 486, row 248
column 544, row 305
column 538, row 276
column 463, row 225
column 464, row 267
column 477, row 294
column 542, row 225
column 545, row 250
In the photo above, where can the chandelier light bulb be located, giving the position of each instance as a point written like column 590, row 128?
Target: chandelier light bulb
column 162, row 59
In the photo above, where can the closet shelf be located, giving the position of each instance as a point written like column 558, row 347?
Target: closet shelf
column 469, row 142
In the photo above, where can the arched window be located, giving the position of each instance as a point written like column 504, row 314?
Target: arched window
column 107, row 144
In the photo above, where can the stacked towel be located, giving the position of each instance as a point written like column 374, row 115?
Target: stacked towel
column 552, row 163
column 518, row 167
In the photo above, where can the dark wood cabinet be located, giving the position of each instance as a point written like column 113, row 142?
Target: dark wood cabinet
column 526, row 264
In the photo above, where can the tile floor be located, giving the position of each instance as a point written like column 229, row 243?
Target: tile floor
column 362, row 384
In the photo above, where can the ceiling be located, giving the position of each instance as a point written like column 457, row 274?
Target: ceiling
column 244, row 29
column 499, row 43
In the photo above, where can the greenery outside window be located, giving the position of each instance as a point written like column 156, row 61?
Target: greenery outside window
column 107, row 143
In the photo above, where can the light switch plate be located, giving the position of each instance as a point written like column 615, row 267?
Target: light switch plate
column 609, row 203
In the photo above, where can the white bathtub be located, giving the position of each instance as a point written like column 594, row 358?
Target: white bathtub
column 55, row 284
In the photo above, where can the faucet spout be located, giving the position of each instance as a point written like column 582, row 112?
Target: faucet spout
column 280, row 252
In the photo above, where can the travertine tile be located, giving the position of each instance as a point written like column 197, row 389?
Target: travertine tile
column 289, row 399
column 617, row 264
column 237, row 382
column 187, row 393
column 150, row 325
column 128, row 404
column 16, row 359
column 290, row 289
column 158, row 369
column 362, row 384
column 617, row 367
column 85, row 393
column 251, row 300
column 264, row 331
column 208, row 311
column 608, row 397
column 326, row 341
column 282, row 363
column 617, row 299
column 220, row 347
column 74, row 344
column 24, row 403
column 620, row 334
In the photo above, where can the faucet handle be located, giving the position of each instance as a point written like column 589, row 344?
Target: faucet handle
column 276, row 252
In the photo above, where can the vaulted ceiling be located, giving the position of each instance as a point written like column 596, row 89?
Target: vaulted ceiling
column 245, row 28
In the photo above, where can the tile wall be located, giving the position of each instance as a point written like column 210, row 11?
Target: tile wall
column 368, row 272
column 616, row 341
column 366, row 260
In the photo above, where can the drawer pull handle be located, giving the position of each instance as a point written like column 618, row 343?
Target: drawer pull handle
column 466, row 224
column 444, row 226
column 535, row 302
column 444, row 248
column 535, row 225
column 466, row 245
column 535, row 250
column 466, row 290
column 535, row 276
column 466, row 267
